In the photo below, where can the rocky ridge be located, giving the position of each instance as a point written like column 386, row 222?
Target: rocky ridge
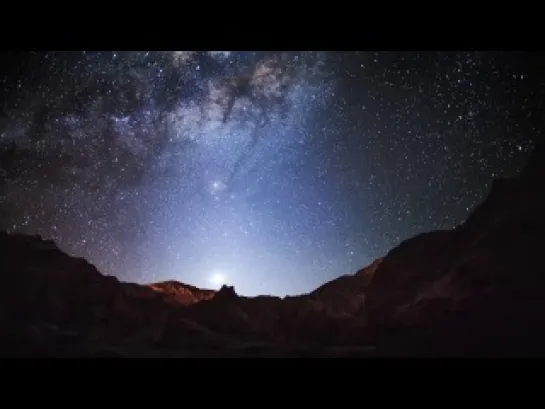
column 473, row 290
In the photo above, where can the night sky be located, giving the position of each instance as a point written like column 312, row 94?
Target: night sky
column 274, row 171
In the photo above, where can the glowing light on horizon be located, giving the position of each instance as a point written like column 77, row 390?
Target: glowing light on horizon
column 217, row 279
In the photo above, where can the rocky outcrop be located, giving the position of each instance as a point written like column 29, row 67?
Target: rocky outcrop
column 49, row 298
column 183, row 294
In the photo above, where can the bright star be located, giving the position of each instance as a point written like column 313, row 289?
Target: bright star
column 217, row 279
column 217, row 186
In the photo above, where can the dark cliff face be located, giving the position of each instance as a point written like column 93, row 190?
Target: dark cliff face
column 477, row 289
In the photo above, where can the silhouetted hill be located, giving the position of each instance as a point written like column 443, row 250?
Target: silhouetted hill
column 474, row 290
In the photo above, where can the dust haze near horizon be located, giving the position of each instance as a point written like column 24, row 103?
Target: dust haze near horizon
column 270, row 171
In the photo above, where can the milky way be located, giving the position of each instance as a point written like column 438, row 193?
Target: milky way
column 276, row 171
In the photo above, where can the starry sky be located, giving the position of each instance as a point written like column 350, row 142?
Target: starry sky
column 271, row 171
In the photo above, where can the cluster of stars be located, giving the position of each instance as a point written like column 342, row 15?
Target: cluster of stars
column 285, row 169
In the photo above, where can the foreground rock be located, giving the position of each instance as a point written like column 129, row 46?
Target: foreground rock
column 474, row 290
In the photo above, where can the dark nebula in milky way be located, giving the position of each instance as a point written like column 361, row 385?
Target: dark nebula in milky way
column 271, row 171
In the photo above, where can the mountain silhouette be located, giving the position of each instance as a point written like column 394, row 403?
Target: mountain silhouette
column 475, row 290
